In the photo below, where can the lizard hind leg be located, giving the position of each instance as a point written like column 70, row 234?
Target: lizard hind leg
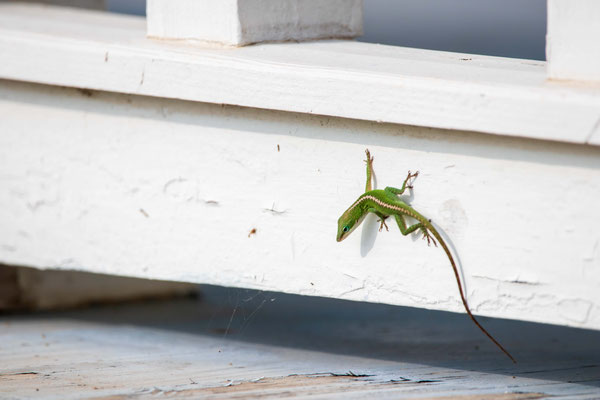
column 427, row 235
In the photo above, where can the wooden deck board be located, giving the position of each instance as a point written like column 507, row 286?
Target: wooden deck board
column 275, row 345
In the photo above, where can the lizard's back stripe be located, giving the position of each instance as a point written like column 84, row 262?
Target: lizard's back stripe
column 385, row 205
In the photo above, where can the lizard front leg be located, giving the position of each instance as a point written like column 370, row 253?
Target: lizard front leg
column 406, row 185
column 381, row 220
column 370, row 173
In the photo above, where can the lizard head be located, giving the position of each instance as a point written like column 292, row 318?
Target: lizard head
column 348, row 222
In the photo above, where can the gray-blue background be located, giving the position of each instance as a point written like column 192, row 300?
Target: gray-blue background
column 508, row 28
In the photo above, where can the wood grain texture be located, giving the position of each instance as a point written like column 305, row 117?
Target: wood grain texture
column 193, row 192
column 251, row 344
column 23, row 288
column 337, row 78
column 10, row 293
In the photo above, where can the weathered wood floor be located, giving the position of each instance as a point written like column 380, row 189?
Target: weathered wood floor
column 249, row 344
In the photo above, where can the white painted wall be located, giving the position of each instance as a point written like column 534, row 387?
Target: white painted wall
column 168, row 189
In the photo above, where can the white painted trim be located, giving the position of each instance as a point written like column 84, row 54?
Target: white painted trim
column 572, row 48
column 241, row 22
column 166, row 189
column 337, row 78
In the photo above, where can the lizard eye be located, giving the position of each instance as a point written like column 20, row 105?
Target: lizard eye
column 346, row 228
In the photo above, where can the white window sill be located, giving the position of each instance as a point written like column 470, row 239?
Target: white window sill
column 103, row 51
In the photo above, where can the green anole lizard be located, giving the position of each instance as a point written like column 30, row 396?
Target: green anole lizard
column 386, row 203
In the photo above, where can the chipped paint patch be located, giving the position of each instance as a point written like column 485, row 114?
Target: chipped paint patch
column 310, row 385
column 575, row 310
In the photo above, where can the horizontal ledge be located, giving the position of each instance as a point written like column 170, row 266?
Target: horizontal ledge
column 243, row 197
column 110, row 52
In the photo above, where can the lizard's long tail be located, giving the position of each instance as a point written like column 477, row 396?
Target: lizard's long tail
column 430, row 227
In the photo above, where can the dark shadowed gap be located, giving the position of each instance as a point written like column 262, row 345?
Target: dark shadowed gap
column 374, row 331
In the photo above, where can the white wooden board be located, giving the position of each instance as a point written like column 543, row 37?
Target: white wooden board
column 168, row 189
column 102, row 51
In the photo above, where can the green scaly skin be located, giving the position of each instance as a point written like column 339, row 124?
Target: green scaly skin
column 386, row 203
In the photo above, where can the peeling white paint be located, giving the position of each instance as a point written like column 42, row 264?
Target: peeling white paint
column 206, row 175
column 575, row 310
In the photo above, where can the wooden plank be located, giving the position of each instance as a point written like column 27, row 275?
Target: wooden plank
column 336, row 78
column 172, row 190
column 249, row 344
column 23, row 288
column 9, row 288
